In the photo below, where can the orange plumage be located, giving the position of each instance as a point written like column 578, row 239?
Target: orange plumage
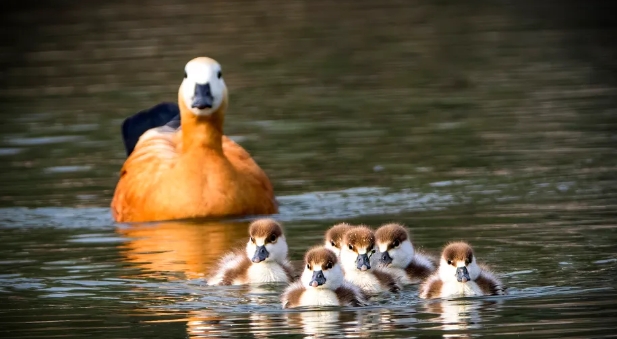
column 194, row 171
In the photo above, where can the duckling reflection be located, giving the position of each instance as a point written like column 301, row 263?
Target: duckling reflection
column 188, row 247
column 457, row 316
column 208, row 324
column 316, row 323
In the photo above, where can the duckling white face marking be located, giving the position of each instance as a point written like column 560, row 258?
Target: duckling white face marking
column 328, row 245
column 456, row 269
column 355, row 257
column 267, row 249
column 203, row 88
column 396, row 254
column 313, row 276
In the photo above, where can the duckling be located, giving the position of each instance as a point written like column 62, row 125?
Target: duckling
column 357, row 248
column 399, row 257
column 459, row 274
column 182, row 165
column 334, row 236
column 263, row 261
column 322, row 283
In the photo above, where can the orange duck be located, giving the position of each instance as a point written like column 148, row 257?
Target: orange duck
column 180, row 165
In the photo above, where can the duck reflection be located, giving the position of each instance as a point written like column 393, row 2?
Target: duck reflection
column 315, row 323
column 458, row 316
column 188, row 247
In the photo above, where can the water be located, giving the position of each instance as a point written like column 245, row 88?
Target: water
column 489, row 121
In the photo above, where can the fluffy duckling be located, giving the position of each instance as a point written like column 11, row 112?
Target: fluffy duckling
column 357, row 247
column 459, row 274
column 263, row 261
column 398, row 256
column 334, row 236
column 180, row 164
column 322, row 283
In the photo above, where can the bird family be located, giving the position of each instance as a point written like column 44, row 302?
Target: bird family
column 353, row 264
column 180, row 165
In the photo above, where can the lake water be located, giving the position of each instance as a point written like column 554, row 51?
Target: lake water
column 490, row 121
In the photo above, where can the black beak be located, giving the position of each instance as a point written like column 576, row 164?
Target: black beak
column 261, row 253
column 385, row 258
column 318, row 279
column 362, row 263
column 462, row 275
column 203, row 97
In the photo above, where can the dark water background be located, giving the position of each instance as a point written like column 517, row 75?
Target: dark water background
column 489, row 121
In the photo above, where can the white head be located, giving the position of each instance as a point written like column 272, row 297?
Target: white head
column 394, row 246
column 266, row 242
column 203, row 89
column 357, row 247
column 458, row 263
column 321, row 269
column 334, row 237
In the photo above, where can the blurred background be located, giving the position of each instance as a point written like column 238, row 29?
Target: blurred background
column 491, row 121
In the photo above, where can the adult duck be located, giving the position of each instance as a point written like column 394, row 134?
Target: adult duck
column 180, row 165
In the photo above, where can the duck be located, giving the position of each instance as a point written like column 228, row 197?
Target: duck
column 399, row 257
column 460, row 275
column 263, row 260
column 357, row 248
column 334, row 236
column 322, row 283
column 182, row 166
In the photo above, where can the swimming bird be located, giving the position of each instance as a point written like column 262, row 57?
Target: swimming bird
column 334, row 236
column 459, row 274
column 357, row 248
column 182, row 166
column 399, row 257
column 264, row 260
column 322, row 283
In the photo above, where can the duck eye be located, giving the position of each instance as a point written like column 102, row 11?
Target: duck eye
column 252, row 240
column 395, row 243
column 185, row 74
column 351, row 247
column 332, row 243
column 449, row 262
column 219, row 74
column 308, row 266
column 272, row 238
column 329, row 265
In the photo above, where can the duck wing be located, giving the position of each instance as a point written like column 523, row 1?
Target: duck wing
column 133, row 127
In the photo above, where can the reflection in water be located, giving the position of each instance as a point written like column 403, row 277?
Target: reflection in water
column 458, row 316
column 192, row 248
column 315, row 323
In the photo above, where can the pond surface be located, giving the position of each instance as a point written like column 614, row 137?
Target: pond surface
column 489, row 122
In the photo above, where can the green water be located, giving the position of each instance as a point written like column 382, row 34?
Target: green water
column 492, row 122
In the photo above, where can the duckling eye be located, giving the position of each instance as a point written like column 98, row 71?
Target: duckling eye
column 272, row 238
column 219, row 74
column 184, row 74
column 252, row 240
column 449, row 262
column 395, row 243
column 308, row 266
column 351, row 247
column 329, row 265
column 332, row 243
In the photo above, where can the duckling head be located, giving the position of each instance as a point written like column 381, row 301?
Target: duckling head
column 203, row 89
column 322, row 269
column 334, row 236
column 458, row 263
column 394, row 245
column 266, row 242
column 357, row 247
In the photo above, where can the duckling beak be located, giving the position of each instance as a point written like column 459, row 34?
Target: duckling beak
column 462, row 275
column 318, row 279
column 261, row 254
column 202, row 97
column 385, row 258
column 363, row 263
